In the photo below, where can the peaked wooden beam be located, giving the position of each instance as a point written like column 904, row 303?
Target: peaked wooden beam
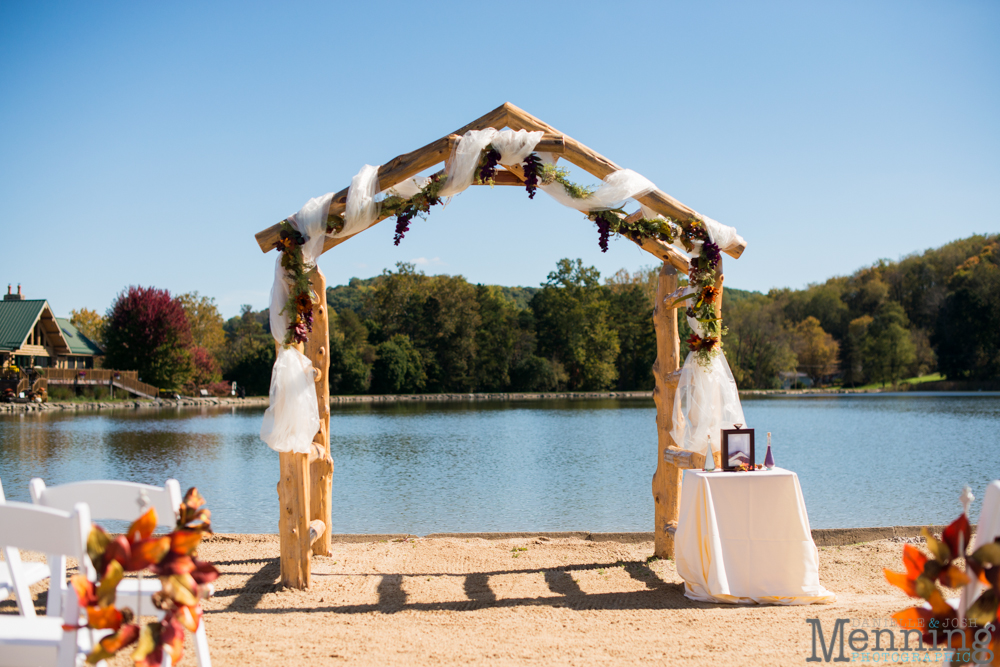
column 598, row 165
column 410, row 164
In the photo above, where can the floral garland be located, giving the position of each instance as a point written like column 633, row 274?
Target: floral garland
column 184, row 583
column 702, row 275
column 301, row 297
column 936, row 620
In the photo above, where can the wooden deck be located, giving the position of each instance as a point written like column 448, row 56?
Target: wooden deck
column 99, row 377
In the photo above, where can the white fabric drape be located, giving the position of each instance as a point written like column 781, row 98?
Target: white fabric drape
column 464, row 158
column 408, row 188
column 515, row 146
column 512, row 146
column 707, row 400
column 292, row 418
column 617, row 187
column 362, row 207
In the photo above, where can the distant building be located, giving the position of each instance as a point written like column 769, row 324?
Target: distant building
column 31, row 335
column 795, row 380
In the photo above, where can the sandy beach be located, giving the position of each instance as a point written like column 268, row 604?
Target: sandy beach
column 551, row 601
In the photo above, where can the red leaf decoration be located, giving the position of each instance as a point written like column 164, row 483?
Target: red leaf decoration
column 958, row 528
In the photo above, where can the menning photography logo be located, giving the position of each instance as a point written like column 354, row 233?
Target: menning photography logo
column 875, row 641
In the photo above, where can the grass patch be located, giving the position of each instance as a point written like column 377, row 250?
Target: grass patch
column 933, row 377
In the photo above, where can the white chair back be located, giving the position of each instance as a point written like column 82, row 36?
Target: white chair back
column 124, row 501
column 37, row 641
column 51, row 531
column 17, row 577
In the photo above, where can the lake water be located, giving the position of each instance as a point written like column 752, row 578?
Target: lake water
column 865, row 460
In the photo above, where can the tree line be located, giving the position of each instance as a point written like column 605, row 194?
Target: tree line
column 407, row 332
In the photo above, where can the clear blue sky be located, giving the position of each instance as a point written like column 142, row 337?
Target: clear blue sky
column 146, row 143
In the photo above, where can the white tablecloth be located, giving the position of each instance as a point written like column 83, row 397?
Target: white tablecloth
column 743, row 537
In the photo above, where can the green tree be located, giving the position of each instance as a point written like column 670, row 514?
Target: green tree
column 439, row 315
column 852, row 351
column 351, row 356
column 968, row 328
column 758, row 345
column 248, row 354
column 398, row 367
column 496, row 339
column 573, row 327
column 631, row 315
column 888, row 349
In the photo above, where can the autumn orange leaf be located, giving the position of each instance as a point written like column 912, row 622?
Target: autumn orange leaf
column 142, row 527
column 104, row 618
column 902, row 581
column 914, row 560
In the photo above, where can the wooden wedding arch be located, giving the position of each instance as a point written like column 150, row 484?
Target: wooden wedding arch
column 305, row 486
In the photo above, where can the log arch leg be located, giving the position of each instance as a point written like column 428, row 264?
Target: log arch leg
column 667, row 478
column 317, row 348
column 305, row 486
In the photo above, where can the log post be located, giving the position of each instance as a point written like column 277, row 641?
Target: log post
column 317, row 348
column 667, row 478
column 293, row 522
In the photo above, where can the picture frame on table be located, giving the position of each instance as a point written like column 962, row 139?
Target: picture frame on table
column 737, row 448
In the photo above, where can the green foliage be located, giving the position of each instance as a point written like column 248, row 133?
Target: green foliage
column 968, row 342
column 888, row 349
column 550, row 173
column 249, row 352
column 758, row 343
column 573, row 326
column 398, row 367
column 351, row 356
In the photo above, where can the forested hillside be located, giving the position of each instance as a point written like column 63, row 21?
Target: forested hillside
column 404, row 331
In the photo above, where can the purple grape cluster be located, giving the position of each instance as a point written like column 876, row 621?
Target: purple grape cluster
column 532, row 165
column 603, row 229
column 488, row 170
column 711, row 252
column 403, row 219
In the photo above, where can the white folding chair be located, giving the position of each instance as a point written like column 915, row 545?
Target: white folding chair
column 31, row 641
column 124, row 501
column 17, row 576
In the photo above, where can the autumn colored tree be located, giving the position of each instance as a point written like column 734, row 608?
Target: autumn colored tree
column 148, row 332
column 204, row 369
column 205, row 322
column 89, row 323
column 815, row 349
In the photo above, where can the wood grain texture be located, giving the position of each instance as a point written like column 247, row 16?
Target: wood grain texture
column 667, row 478
column 321, row 465
column 293, row 520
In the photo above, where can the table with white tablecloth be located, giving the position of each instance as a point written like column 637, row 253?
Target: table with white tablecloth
column 743, row 538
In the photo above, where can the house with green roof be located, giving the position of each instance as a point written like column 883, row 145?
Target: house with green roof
column 31, row 335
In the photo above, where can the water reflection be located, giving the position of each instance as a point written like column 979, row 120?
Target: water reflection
column 554, row 465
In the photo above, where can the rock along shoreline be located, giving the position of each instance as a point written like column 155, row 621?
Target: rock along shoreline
column 262, row 401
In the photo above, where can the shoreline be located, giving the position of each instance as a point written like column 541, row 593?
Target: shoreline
column 263, row 401
column 823, row 537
